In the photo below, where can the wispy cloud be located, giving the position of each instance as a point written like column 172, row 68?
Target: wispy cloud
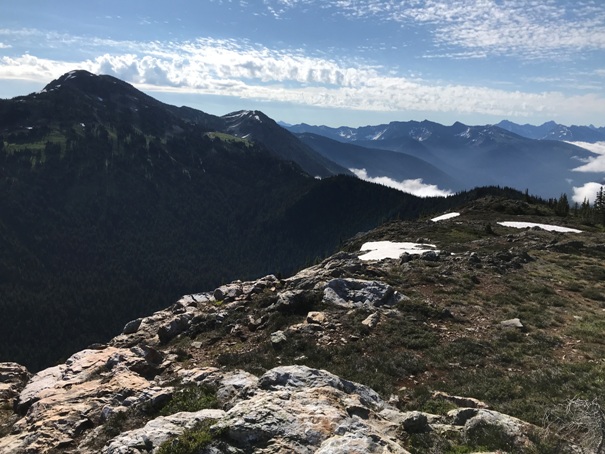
column 527, row 29
column 415, row 187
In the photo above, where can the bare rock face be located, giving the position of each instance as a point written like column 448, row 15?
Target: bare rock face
column 59, row 403
column 13, row 378
column 150, row 437
column 488, row 426
column 357, row 293
column 299, row 409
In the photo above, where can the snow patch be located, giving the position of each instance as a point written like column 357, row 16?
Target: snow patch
column 445, row 216
column 348, row 134
column 549, row 227
column 376, row 136
column 379, row 250
column 238, row 114
column 466, row 134
column 420, row 134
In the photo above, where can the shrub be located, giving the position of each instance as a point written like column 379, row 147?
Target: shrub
column 191, row 398
column 191, row 441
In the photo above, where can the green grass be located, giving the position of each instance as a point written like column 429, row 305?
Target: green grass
column 591, row 331
column 191, row 398
column 228, row 138
column 191, row 441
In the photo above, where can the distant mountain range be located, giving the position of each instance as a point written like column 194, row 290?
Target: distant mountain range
column 547, row 131
column 459, row 156
column 554, row 131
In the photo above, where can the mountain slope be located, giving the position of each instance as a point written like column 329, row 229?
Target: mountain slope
column 491, row 342
column 377, row 163
column 112, row 202
column 254, row 125
column 478, row 155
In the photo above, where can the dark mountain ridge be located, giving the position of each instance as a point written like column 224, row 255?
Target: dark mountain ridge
column 255, row 125
column 82, row 97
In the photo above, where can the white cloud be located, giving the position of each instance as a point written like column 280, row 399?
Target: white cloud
column 593, row 164
column 240, row 69
column 415, row 187
column 29, row 67
column 597, row 147
column 586, row 192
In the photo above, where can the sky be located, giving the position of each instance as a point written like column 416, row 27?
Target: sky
column 332, row 62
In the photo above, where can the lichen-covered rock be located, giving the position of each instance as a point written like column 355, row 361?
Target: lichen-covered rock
column 157, row 431
column 299, row 409
column 371, row 320
column 174, row 327
column 498, row 431
column 306, row 377
column 60, row 403
column 13, row 378
column 353, row 443
column 358, row 293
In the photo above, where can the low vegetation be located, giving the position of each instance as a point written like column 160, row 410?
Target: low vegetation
column 448, row 336
column 191, row 441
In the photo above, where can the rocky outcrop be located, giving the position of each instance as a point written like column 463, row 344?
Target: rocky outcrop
column 60, row 403
column 340, row 303
column 357, row 293
column 157, row 431
column 288, row 409
column 13, row 378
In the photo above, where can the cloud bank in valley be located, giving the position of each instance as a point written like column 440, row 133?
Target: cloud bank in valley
column 415, row 187
column 586, row 192
column 594, row 164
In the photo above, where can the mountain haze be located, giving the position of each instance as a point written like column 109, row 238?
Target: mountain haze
column 554, row 131
column 377, row 162
column 476, row 155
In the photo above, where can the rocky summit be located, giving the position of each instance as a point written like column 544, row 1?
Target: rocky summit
column 491, row 341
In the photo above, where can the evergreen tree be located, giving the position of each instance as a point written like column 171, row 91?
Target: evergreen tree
column 599, row 207
column 562, row 205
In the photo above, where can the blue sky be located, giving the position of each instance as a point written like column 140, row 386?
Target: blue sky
column 333, row 62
